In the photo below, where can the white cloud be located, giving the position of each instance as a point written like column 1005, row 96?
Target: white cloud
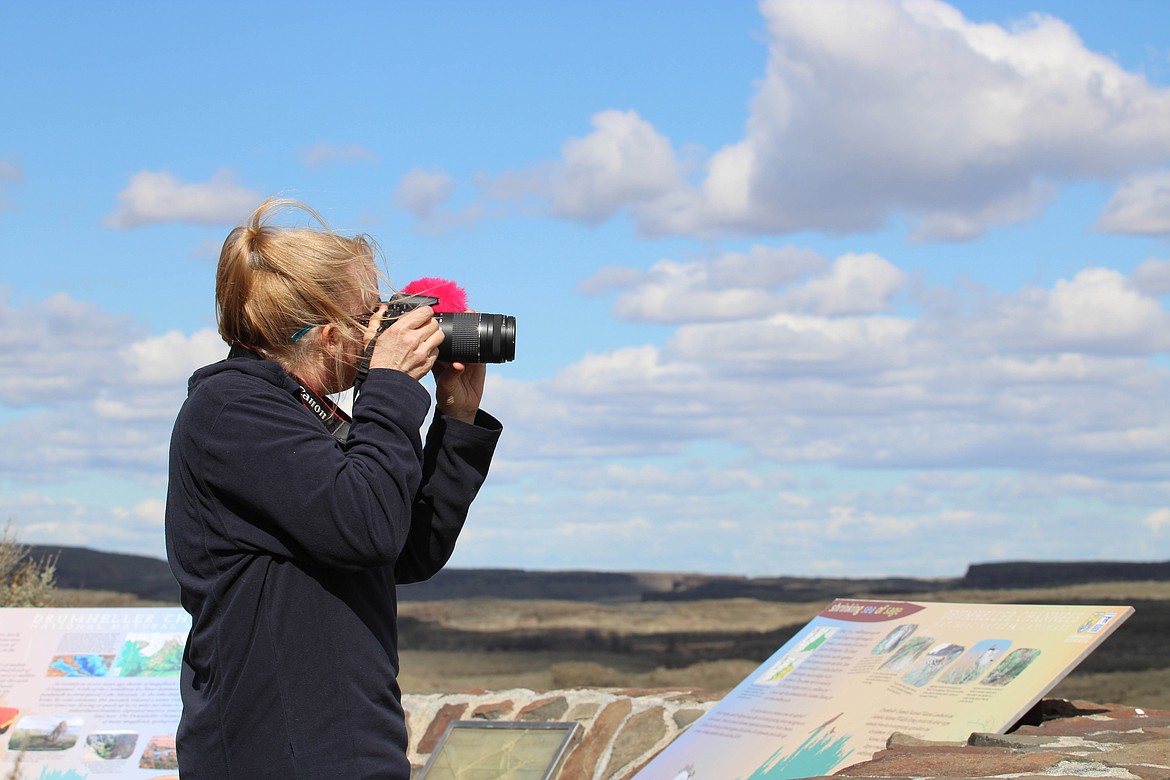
column 1141, row 206
column 887, row 108
column 849, row 522
column 156, row 197
column 623, row 161
column 108, row 356
column 814, row 370
column 1152, row 277
column 425, row 194
column 1097, row 311
column 740, row 286
column 856, row 284
column 149, row 511
column 968, row 223
column 170, row 358
column 10, row 173
column 104, row 398
column 945, row 421
column 609, row 278
column 787, row 344
column 705, row 523
column 1158, row 520
column 730, row 286
column 642, row 369
column 420, row 192
column 325, row 153
column 48, row 518
column 37, row 363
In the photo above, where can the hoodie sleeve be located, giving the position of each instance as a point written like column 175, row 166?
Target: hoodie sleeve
column 266, row 476
column 455, row 465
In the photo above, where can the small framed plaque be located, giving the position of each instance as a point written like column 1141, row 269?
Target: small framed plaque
column 499, row 750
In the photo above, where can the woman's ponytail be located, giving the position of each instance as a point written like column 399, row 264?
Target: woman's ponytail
column 274, row 281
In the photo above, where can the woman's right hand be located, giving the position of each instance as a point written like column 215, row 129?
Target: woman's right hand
column 410, row 345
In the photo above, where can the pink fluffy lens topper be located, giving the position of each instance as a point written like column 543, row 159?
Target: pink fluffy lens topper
column 451, row 296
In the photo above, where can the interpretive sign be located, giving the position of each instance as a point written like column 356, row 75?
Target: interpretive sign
column 862, row 670
column 90, row 692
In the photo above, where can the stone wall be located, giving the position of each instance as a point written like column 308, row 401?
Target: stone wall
column 623, row 729
column 620, row 729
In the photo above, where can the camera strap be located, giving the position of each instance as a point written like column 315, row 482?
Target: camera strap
column 363, row 369
column 336, row 421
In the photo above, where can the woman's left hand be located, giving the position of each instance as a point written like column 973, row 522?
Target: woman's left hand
column 459, row 389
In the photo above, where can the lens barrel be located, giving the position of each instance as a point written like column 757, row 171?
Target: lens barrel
column 471, row 337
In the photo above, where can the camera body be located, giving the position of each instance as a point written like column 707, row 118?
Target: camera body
column 467, row 337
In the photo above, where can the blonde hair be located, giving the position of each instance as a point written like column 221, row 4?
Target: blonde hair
column 274, row 281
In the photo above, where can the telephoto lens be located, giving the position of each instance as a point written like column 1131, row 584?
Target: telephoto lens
column 471, row 337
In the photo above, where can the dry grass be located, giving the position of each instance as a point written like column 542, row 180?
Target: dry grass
column 730, row 615
column 447, row 672
column 72, row 597
column 1150, row 689
column 24, row 582
column 636, row 618
column 450, row 672
column 1105, row 592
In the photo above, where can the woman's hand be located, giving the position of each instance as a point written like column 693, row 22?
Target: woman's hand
column 410, row 345
column 459, row 388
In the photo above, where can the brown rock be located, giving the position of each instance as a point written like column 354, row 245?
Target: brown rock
column 583, row 711
column 1147, row 772
column 951, row 762
column 900, row 740
column 544, row 709
column 1115, row 725
column 1155, row 753
column 1014, row 741
column 639, row 733
column 446, row 714
column 695, row 694
column 1138, row 712
column 493, row 710
column 1095, row 725
column 1121, row 737
column 685, row 717
column 582, row 761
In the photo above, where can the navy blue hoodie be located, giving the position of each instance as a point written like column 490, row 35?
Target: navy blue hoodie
column 287, row 547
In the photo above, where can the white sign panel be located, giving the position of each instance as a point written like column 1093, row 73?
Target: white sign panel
column 90, row 692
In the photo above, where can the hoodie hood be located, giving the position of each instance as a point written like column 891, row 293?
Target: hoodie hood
column 249, row 364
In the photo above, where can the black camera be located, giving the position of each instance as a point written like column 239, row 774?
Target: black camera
column 467, row 338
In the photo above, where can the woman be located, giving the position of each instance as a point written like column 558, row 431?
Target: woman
column 288, row 530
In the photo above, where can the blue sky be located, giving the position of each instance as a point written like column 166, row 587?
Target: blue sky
column 814, row 288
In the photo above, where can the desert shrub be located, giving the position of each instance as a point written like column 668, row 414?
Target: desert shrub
column 24, row 582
